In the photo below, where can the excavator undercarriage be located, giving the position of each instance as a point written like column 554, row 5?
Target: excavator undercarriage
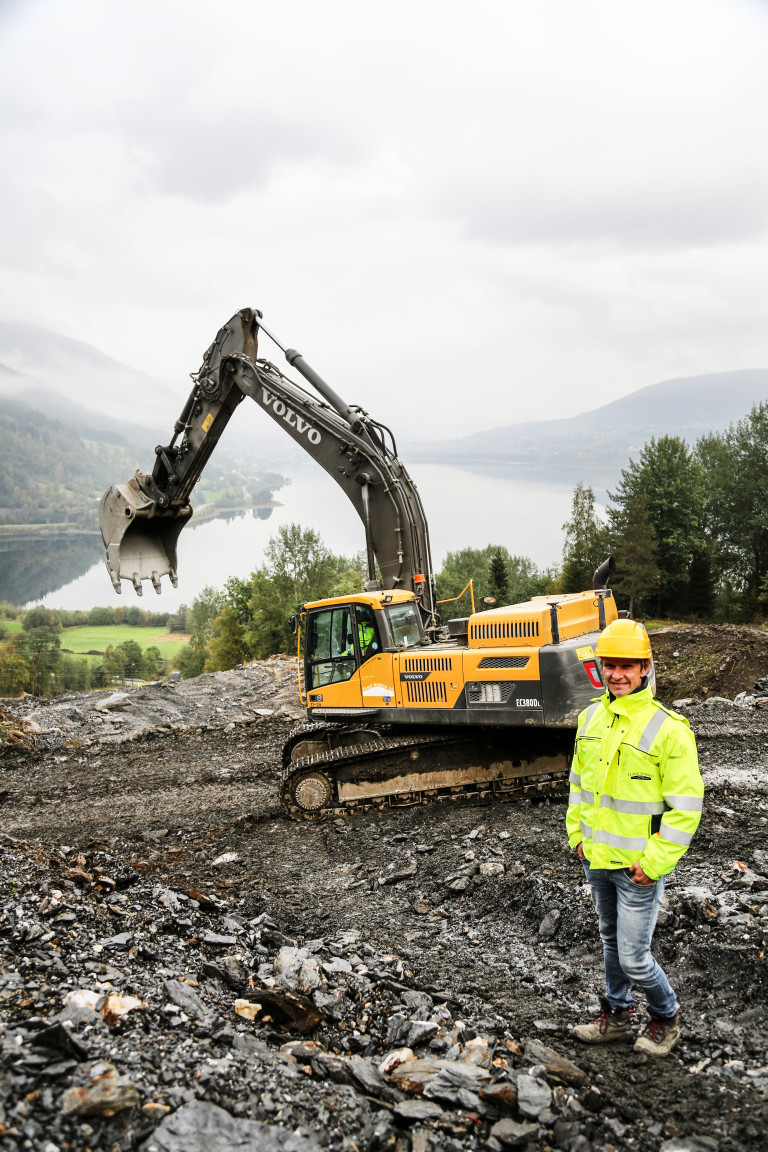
column 341, row 769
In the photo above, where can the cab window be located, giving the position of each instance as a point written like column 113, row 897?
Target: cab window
column 367, row 632
column 404, row 621
column 330, row 647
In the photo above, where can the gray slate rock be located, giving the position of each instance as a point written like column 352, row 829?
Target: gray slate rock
column 420, row 1031
column 420, row 1003
column 397, row 1030
column 202, row 1127
column 121, row 940
column 452, row 1080
column 556, row 1065
column 513, row 1133
column 549, row 924
column 185, row 998
column 116, row 700
column 533, row 1096
column 411, row 1111
column 367, row 1076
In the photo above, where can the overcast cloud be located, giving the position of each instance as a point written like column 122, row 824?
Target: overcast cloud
column 463, row 216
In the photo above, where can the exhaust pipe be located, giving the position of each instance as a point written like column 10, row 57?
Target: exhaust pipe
column 603, row 574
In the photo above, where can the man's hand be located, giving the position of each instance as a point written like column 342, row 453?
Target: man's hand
column 637, row 874
column 580, row 850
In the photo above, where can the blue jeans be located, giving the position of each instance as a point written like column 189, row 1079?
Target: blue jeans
column 627, row 913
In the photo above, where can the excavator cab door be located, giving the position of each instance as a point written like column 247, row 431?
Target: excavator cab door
column 330, row 651
column 339, row 639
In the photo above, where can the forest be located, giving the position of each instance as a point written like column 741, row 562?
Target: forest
column 52, row 476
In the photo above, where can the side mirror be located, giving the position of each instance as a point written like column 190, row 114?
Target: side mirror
column 293, row 623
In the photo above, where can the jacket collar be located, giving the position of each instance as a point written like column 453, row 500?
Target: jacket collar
column 628, row 705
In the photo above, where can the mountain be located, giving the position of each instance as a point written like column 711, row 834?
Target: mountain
column 102, row 399
column 595, row 445
column 48, row 475
column 37, row 364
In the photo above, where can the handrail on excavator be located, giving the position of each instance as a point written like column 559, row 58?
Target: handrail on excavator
column 451, row 599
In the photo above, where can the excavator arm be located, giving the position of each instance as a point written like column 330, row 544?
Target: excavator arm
column 141, row 520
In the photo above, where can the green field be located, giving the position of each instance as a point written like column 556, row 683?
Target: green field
column 88, row 639
column 9, row 626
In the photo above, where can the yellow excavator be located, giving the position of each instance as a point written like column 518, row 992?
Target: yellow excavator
column 401, row 708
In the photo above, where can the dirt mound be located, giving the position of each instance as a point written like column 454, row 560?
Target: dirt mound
column 700, row 660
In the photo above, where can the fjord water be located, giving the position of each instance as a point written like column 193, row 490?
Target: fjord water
column 464, row 509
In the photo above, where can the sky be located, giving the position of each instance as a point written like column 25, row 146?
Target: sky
column 464, row 216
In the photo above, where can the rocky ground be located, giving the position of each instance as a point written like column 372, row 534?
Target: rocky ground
column 184, row 968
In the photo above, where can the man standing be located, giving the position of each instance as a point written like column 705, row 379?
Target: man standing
column 634, row 805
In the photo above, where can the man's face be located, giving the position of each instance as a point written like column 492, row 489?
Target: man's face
column 624, row 676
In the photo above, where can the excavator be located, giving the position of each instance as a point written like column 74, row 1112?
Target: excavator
column 401, row 709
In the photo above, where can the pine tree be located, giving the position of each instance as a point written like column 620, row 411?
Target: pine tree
column 668, row 480
column 499, row 579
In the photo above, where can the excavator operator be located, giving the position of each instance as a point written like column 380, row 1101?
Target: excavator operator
column 366, row 635
column 635, row 802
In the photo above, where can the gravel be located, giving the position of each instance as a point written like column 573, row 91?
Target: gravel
column 182, row 967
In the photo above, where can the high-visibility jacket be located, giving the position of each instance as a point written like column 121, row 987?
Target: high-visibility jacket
column 636, row 792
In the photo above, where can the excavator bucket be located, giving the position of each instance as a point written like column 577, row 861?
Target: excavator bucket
column 139, row 538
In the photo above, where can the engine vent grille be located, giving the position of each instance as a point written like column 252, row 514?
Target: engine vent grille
column 490, row 692
column 426, row 691
column 426, row 664
column 504, row 630
column 503, row 661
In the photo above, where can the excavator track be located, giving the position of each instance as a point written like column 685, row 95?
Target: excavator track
column 368, row 769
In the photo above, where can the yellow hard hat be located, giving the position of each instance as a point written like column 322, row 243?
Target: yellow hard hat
column 624, row 640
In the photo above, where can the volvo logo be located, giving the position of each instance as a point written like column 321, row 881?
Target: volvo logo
column 291, row 418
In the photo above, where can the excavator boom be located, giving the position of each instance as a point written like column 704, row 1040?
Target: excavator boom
column 141, row 520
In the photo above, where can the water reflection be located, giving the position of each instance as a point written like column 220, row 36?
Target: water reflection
column 33, row 569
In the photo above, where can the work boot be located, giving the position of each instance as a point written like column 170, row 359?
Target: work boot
column 612, row 1024
column 659, row 1036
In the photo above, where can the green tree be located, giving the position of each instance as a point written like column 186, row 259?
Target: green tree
column 498, row 581
column 113, row 664
column 668, row 480
column 178, row 621
column 100, row 617
column 73, row 674
column 229, row 644
column 200, row 617
column 15, row 672
column 153, row 663
column 133, row 659
column 39, row 643
column 637, row 573
column 237, row 594
column 191, row 660
column 586, row 542
column 735, row 468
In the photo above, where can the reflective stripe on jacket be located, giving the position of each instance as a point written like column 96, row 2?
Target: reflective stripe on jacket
column 636, row 790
